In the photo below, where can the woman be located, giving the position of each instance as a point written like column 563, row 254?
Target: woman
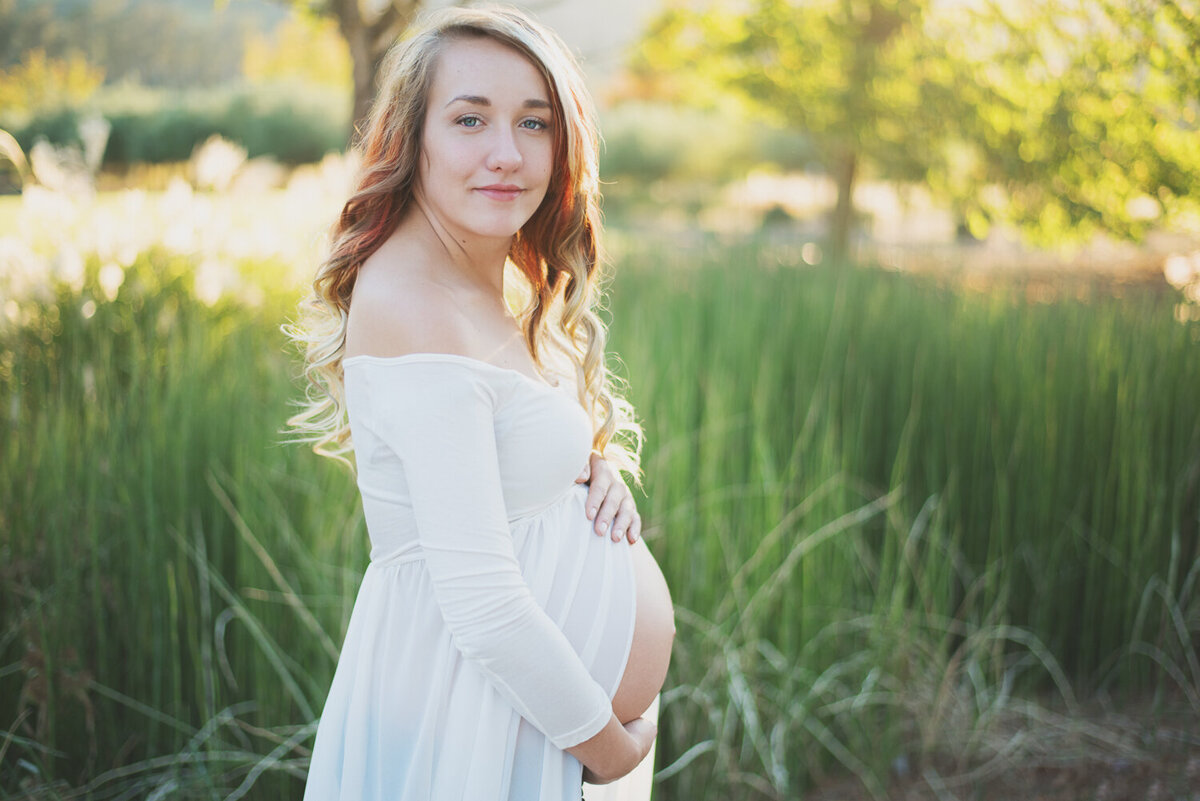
column 496, row 648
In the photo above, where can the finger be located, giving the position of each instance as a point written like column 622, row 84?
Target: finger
column 608, row 510
column 635, row 528
column 625, row 515
column 597, row 492
column 585, row 475
column 594, row 467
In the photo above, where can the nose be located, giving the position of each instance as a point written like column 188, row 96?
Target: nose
column 505, row 155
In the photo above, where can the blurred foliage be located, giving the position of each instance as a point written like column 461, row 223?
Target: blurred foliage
column 304, row 48
column 655, row 141
column 1063, row 117
column 133, row 49
column 160, row 43
column 294, row 123
column 39, row 82
column 1086, row 117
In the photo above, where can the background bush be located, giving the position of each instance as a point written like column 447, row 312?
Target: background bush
column 291, row 122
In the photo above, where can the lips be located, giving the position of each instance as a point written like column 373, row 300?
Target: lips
column 500, row 191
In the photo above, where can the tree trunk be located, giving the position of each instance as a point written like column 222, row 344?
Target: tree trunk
column 369, row 40
column 885, row 19
column 844, row 168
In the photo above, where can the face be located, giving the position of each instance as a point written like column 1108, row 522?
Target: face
column 488, row 141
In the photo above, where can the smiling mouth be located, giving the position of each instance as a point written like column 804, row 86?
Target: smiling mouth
column 500, row 192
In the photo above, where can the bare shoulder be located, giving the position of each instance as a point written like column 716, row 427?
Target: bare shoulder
column 395, row 311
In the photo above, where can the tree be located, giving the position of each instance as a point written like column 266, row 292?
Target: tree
column 369, row 37
column 1062, row 116
column 825, row 67
column 1084, row 114
column 369, row 29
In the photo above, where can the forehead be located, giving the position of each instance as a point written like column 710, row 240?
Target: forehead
column 484, row 67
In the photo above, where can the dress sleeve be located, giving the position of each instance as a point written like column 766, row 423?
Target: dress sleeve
column 438, row 419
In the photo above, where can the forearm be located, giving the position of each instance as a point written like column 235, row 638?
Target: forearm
column 616, row 750
column 524, row 654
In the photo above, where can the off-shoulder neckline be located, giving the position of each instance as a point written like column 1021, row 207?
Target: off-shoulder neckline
column 451, row 357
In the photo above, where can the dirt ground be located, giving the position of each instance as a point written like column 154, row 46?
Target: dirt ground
column 1162, row 765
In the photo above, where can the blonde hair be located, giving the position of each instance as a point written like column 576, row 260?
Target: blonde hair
column 557, row 250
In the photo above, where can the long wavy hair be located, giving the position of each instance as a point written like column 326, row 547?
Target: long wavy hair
column 556, row 252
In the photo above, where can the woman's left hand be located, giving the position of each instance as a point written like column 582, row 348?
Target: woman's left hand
column 609, row 501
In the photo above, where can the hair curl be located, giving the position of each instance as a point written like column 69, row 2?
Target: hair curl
column 557, row 251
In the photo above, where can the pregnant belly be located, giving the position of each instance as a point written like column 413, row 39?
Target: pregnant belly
column 587, row 584
column 653, row 636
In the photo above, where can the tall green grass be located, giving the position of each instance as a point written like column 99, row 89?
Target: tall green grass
column 1058, row 443
column 894, row 516
column 890, row 505
column 140, row 457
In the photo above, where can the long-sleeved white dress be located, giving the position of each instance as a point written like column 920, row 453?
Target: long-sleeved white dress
column 492, row 626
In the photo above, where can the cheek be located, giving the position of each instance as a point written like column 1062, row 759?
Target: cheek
column 545, row 162
column 443, row 157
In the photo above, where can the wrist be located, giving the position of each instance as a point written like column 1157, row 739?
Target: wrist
column 609, row 753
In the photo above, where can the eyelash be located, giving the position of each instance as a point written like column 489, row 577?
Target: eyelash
column 539, row 125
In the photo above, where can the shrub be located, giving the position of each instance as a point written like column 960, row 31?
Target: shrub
column 656, row 141
column 294, row 123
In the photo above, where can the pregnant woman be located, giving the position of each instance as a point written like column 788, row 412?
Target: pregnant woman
column 498, row 648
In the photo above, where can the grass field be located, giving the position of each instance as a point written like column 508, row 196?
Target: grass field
column 905, row 525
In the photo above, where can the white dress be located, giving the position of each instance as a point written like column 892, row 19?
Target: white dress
column 492, row 626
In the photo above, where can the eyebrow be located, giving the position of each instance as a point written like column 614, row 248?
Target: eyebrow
column 483, row 101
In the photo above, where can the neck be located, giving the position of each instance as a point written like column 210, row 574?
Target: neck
column 480, row 261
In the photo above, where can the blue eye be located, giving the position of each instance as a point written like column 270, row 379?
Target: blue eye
column 469, row 122
column 534, row 124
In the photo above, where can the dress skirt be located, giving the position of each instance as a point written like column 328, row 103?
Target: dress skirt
column 408, row 718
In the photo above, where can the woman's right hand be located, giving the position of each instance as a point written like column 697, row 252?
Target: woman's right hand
column 610, row 501
column 616, row 750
